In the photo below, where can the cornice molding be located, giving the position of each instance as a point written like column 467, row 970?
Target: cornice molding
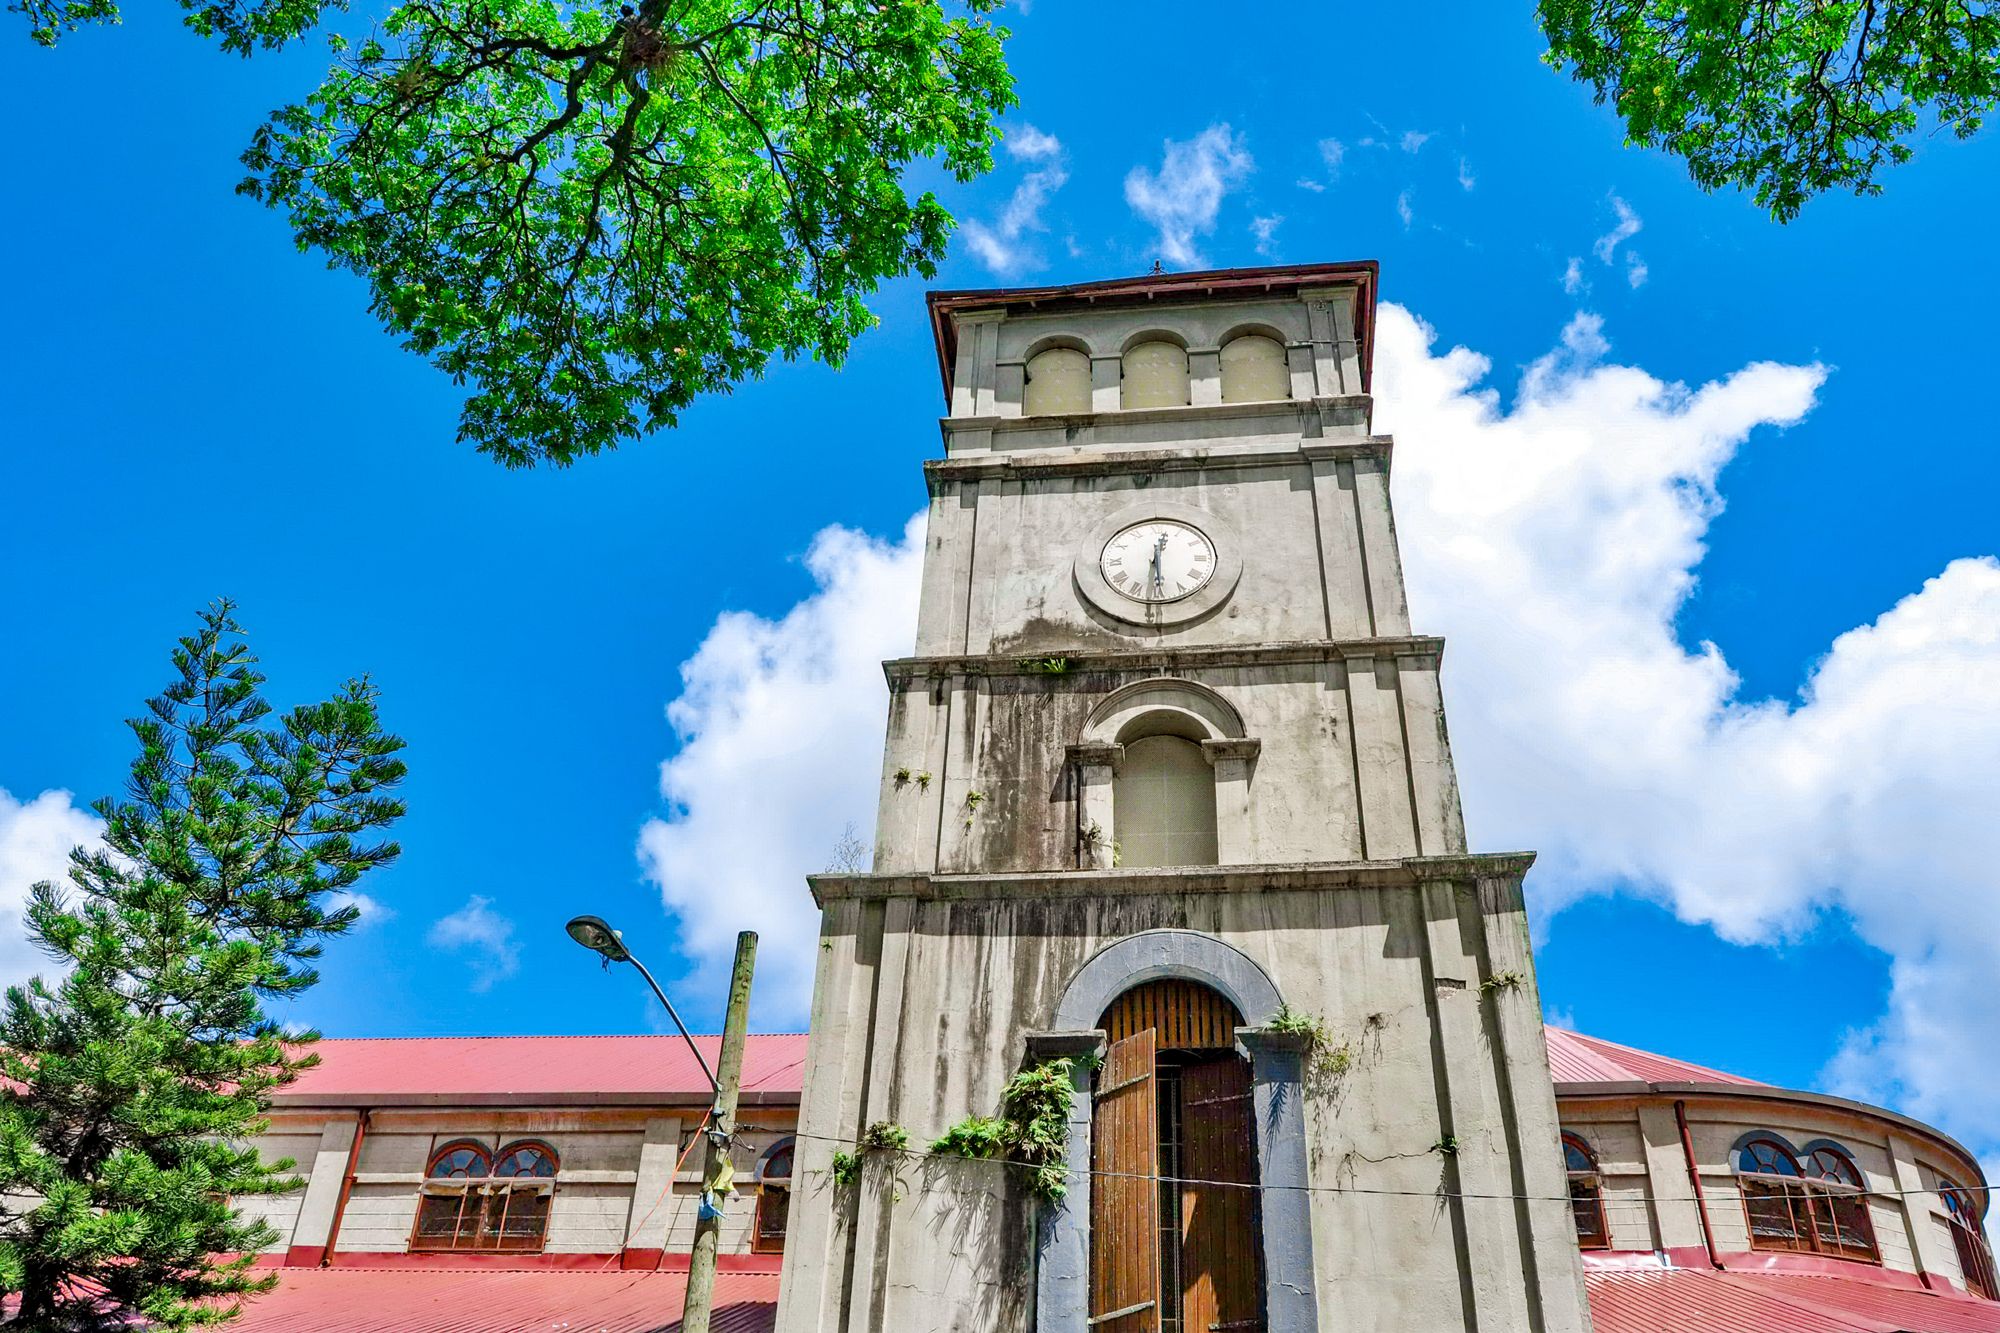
column 1316, row 876
column 1097, row 461
column 1640, row 1090
column 1169, row 661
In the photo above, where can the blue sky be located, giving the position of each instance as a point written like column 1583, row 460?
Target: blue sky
column 189, row 407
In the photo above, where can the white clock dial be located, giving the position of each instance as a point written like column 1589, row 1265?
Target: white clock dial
column 1159, row 560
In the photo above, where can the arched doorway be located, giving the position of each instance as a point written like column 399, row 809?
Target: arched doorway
column 1174, row 1205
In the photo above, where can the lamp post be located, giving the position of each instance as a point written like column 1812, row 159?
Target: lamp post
column 595, row 934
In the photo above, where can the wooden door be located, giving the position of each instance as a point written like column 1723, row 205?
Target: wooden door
column 1124, row 1196
column 1220, row 1275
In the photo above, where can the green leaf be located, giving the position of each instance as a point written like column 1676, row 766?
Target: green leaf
column 1784, row 98
column 593, row 219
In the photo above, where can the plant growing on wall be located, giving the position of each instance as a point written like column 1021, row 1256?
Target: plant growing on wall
column 979, row 1137
column 1032, row 1129
column 1036, row 1105
column 881, row 1137
column 1327, row 1061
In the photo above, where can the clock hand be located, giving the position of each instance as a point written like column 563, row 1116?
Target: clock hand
column 1159, row 549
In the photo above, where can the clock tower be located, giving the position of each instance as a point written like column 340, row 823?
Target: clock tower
column 1168, row 811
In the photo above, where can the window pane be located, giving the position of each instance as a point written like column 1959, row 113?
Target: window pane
column 1163, row 804
column 774, row 1208
column 1155, row 375
column 1253, row 371
column 1778, row 1215
column 1058, row 381
column 528, row 1159
column 778, row 1166
column 465, row 1162
column 438, row 1218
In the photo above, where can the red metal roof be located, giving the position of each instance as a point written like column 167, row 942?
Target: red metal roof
column 1695, row 1300
column 470, row 1071
column 387, row 1071
column 461, row 1300
column 1575, row 1058
column 369, row 1300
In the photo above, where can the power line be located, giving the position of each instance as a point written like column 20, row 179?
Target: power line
column 1438, row 1193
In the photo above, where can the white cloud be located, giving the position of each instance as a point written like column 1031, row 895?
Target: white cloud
column 1466, row 179
column 1403, row 209
column 781, row 744
column 1628, row 225
column 1553, row 542
column 1265, row 229
column 373, row 910
column 1573, row 280
column 1413, row 141
column 1307, row 183
column 35, row 841
column 1184, row 196
column 483, row 938
column 1635, row 270
column 999, row 244
column 1031, row 145
column 1332, row 152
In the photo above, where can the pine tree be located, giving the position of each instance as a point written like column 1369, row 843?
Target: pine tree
column 135, row 1084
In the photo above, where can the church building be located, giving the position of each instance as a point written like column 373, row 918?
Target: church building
column 1174, row 1000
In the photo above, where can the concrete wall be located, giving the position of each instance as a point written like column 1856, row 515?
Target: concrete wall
column 1310, row 521
column 1352, row 760
column 926, row 995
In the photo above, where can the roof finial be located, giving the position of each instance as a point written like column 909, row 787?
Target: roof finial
column 1158, row 267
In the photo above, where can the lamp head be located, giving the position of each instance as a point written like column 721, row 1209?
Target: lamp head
column 596, row 935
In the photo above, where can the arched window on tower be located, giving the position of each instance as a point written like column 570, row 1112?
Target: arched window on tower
column 1586, row 1193
column 1163, row 804
column 1254, row 370
column 1154, row 373
column 1968, row 1237
column 1056, row 383
column 1175, row 1242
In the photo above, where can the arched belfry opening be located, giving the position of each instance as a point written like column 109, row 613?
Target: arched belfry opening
column 1174, row 1227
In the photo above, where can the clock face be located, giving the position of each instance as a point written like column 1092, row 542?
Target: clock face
column 1159, row 560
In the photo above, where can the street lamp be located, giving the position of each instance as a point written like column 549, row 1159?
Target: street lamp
column 595, row 934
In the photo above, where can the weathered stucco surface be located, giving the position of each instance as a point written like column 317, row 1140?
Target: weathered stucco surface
column 1343, row 875
column 927, row 997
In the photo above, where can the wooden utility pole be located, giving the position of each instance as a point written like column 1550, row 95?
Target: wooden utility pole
column 721, row 1133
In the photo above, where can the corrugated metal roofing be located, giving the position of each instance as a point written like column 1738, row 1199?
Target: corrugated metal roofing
column 362, row 1300
column 377, row 1300
column 1693, row 1300
column 1575, row 1058
column 460, row 1070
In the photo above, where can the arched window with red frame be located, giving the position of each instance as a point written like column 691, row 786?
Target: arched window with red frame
column 774, row 1199
column 1815, row 1204
column 1586, row 1193
column 1774, row 1200
column 475, row 1198
column 1968, row 1236
column 1841, row 1223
